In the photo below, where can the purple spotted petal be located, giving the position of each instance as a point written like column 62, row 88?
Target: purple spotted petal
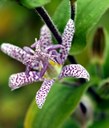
column 28, row 50
column 74, row 70
column 20, row 79
column 43, row 91
column 13, row 51
column 45, row 37
column 67, row 39
column 53, row 47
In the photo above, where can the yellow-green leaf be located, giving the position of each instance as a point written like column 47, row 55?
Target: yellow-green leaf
column 61, row 102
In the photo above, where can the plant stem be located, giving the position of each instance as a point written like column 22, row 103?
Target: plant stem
column 73, row 9
column 99, row 70
column 93, row 93
column 72, row 59
column 46, row 18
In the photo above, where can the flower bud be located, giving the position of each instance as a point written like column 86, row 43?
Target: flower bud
column 103, row 90
column 98, row 46
column 84, row 112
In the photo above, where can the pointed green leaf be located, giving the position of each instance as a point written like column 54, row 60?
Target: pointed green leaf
column 103, row 123
column 61, row 102
column 62, row 14
column 106, row 57
column 89, row 13
column 34, row 3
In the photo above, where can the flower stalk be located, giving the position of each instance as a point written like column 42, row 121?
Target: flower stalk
column 48, row 21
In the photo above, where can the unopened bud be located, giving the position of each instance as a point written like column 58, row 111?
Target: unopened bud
column 84, row 112
column 103, row 90
column 98, row 46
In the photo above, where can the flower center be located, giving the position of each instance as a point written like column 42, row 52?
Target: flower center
column 53, row 70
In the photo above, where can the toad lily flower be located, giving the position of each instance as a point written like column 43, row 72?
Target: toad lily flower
column 44, row 62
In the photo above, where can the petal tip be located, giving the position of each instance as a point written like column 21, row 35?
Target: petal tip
column 3, row 46
column 38, row 102
column 12, row 83
column 74, row 70
column 84, row 73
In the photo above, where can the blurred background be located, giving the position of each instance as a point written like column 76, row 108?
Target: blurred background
column 20, row 26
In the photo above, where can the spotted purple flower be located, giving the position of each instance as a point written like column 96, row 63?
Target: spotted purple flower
column 44, row 61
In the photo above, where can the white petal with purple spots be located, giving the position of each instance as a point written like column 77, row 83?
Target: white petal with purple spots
column 13, row 51
column 20, row 79
column 43, row 92
column 74, row 70
column 67, row 39
column 45, row 37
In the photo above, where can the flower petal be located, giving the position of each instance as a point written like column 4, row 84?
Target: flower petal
column 43, row 91
column 67, row 39
column 45, row 37
column 20, row 55
column 20, row 79
column 28, row 50
column 13, row 51
column 74, row 70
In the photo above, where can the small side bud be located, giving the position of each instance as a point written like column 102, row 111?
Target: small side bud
column 84, row 112
column 98, row 46
column 103, row 89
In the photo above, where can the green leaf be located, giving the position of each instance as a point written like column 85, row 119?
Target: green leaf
column 104, row 123
column 89, row 13
column 34, row 3
column 106, row 58
column 103, row 90
column 62, row 14
column 70, row 123
column 61, row 102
